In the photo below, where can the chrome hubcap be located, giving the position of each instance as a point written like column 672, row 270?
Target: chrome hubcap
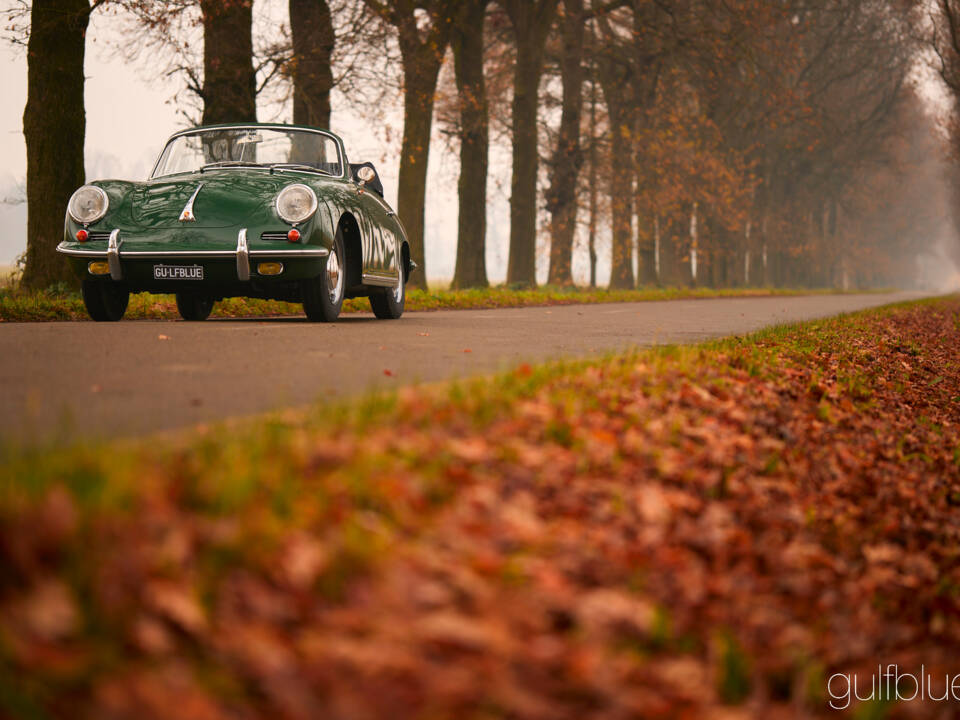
column 334, row 276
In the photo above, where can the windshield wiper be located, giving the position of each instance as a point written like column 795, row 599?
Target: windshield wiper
column 230, row 163
column 299, row 166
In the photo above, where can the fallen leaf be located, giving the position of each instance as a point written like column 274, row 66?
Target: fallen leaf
column 49, row 611
column 177, row 605
column 303, row 560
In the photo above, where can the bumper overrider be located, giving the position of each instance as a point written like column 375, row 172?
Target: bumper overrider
column 114, row 254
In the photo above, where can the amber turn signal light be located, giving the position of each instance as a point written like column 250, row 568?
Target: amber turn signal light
column 99, row 267
column 270, row 268
column 293, row 235
column 82, row 235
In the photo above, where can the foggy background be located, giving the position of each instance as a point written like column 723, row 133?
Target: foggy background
column 131, row 108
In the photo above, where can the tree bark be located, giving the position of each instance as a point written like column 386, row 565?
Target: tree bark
column 592, row 158
column 467, row 42
column 422, row 55
column 229, row 81
column 567, row 158
column 746, row 253
column 421, row 65
column 656, row 248
column 669, row 252
column 613, row 76
column 694, row 246
column 643, row 82
column 313, row 41
column 54, row 124
column 531, row 20
column 648, row 272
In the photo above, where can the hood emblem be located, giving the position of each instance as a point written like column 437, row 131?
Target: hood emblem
column 187, row 214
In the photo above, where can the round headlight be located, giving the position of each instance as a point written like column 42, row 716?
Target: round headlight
column 296, row 203
column 88, row 204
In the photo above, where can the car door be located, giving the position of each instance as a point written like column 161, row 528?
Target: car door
column 384, row 262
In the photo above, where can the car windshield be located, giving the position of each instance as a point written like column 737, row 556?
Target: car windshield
column 251, row 146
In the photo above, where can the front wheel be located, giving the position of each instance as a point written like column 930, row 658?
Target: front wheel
column 323, row 295
column 105, row 301
column 193, row 307
column 388, row 304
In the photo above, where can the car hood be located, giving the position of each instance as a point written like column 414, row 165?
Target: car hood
column 225, row 198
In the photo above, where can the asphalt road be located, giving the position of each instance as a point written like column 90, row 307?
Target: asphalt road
column 82, row 379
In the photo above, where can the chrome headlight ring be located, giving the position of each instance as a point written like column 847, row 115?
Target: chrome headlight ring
column 88, row 204
column 296, row 203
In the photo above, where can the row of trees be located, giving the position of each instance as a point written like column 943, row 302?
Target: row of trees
column 722, row 142
column 945, row 41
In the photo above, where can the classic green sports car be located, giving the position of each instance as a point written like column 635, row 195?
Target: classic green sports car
column 258, row 210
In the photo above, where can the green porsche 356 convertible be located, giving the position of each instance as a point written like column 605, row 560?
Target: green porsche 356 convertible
column 255, row 209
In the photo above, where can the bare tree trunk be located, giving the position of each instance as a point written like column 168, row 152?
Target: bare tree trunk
column 669, row 254
column 467, row 42
column 621, row 210
column 763, row 253
column 415, row 152
column 54, row 124
column 531, row 20
column 833, row 227
column 693, row 245
column 592, row 236
column 644, row 80
column 422, row 50
column 567, row 158
column 648, row 264
column 656, row 248
column 229, row 81
column 746, row 253
column 613, row 76
column 313, row 40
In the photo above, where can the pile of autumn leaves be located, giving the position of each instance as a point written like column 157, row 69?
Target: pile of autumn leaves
column 698, row 533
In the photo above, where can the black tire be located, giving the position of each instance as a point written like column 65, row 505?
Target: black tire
column 194, row 307
column 388, row 303
column 323, row 295
column 106, row 301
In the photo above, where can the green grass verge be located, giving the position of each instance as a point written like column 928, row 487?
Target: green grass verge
column 18, row 305
column 662, row 533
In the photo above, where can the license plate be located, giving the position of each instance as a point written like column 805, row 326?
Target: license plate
column 178, row 272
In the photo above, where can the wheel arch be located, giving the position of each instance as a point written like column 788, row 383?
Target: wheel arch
column 405, row 261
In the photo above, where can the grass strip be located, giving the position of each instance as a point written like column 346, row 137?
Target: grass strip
column 668, row 533
column 17, row 305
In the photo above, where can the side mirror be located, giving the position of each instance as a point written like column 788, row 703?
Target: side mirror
column 366, row 174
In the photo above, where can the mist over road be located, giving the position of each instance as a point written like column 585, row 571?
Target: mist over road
column 83, row 379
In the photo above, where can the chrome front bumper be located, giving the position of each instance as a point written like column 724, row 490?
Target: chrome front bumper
column 242, row 254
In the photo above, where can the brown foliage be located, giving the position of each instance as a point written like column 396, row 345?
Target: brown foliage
column 646, row 537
